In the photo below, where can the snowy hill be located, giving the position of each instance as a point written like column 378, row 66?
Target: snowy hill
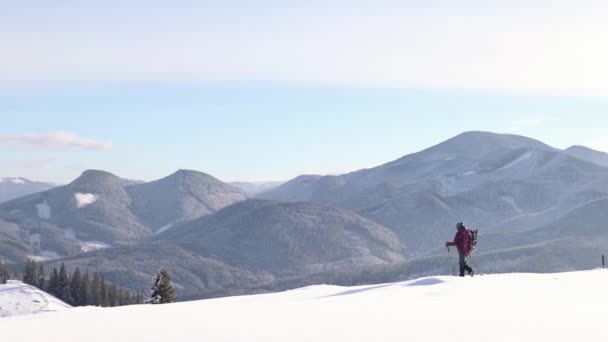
column 509, row 307
column 18, row 299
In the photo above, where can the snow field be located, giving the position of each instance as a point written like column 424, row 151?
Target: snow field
column 510, row 307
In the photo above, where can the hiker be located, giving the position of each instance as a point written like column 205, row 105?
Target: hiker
column 462, row 241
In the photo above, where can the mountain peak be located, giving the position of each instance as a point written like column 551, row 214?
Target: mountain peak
column 189, row 173
column 477, row 143
column 98, row 181
column 97, row 173
column 582, row 148
column 588, row 154
column 184, row 175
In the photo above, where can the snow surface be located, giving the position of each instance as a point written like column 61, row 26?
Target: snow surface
column 510, row 307
column 18, row 299
column 89, row 246
column 44, row 210
column 85, row 246
column 83, row 200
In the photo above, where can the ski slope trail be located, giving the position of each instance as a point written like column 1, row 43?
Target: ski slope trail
column 510, row 307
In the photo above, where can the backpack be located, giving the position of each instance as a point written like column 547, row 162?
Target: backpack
column 472, row 240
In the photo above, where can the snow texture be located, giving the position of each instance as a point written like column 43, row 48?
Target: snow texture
column 164, row 228
column 85, row 246
column 509, row 307
column 518, row 160
column 89, row 246
column 83, row 200
column 44, row 210
column 17, row 299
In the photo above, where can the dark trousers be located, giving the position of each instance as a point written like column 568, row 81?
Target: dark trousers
column 463, row 264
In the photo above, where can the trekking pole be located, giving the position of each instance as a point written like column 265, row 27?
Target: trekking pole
column 451, row 262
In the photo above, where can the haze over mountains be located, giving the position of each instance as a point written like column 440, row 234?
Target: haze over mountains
column 15, row 187
column 254, row 188
column 538, row 209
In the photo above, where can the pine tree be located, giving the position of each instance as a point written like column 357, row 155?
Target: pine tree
column 95, row 290
column 54, row 283
column 85, row 291
column 63, row 285
column 75, row 288
column 41, row 282
column 122, row 299
column 139, row 299
column 161, row 292
column 103, row 292
column 112, row 296
column 53, row 286
column 133, row 299
column 4, row 274
column 29, row 276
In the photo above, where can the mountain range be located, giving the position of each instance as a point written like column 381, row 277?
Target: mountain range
column 99, row 210
column 538, row 209
column 15, row 187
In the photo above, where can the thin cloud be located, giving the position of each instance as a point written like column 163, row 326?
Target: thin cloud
column 521, row 48
column 52, row 141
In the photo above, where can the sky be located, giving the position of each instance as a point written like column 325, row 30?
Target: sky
column 267, row 90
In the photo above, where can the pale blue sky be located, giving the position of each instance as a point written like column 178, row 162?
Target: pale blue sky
column 267, row 90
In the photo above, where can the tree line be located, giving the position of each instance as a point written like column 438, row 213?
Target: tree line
column 4, row 274
column 77, row 288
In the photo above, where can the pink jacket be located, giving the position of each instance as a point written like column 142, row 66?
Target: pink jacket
column 462, row 241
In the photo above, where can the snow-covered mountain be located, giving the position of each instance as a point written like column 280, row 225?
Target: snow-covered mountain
column 511, row 307
column 99, row 210
column 249, row 244
column 498, row 183
column 254, row 188
column 585, row 153
column 18, row 299
column 15, row 187
column 538, row 208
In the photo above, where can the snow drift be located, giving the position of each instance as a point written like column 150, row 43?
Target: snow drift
column 17, row 299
